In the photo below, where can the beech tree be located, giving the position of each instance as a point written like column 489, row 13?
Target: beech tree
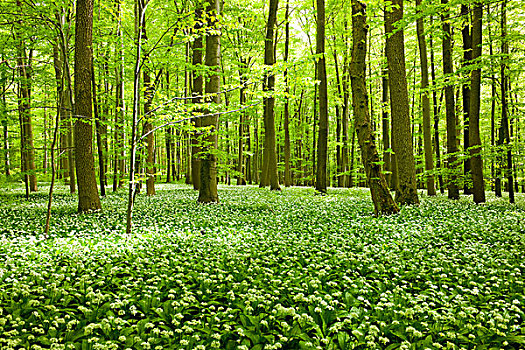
column 88, row 198
column 269, row 170
column 401, row 133
column 208, row 160
column 383, row 202
column 322, row 141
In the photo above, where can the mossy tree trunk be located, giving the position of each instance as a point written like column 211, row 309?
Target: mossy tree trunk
column 383, row 202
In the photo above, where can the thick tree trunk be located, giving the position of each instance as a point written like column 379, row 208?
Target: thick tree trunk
column 452, row 148
column 197, row 90
column 399, row 105
column 383, row 202
column 269, row 174
column 322, row 141
column 88, row 198
column 208, row 160
column 427, row 132
column 475, row 101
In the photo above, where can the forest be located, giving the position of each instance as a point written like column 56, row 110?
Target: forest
column 267, row 174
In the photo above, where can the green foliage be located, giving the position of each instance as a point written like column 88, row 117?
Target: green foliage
column 262, row 270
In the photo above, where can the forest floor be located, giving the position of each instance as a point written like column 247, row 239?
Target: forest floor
column 261, row 270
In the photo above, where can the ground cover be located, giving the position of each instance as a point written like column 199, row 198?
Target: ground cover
column 261, row 270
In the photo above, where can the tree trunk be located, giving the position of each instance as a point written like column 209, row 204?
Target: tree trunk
column 24, row 110
column 387, row 150
column 475, row 101
column 287, row 178
column 467, row 58
column 208, row 160
column 148, row 125
column 242, row 120
column 118, row 134
column 322, row 141
column 197, row 89
column 427, row 132
column 436, row 113
column 399, row 106
column 98, row 130
column 383, row 202
column 270, row 155
column 88, row 198
column 507, row 166
column 452, row 148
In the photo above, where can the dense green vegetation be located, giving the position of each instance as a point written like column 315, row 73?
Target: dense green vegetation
column 262, row 270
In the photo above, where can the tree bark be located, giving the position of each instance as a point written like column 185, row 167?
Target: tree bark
column 436, row 112
column 452, row 148
column 287, row 178
column 98, row 130
column 148, row 124
column 118, row 134
column 427, row 132
column 322, row 140
column 399, row 106
column 208, row 160
column 507, row 166
column 465, row 89
column 88, row 198
column 383, row 202
column 387, row 149
column 197, row 90
column 24, row 111
column 269, row 174
column 476, row 164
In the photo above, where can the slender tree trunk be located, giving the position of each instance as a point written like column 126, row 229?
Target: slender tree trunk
column 270, row 155
column 88, row 198
column 387, row 151
column 492, row 104
column 5, row 132
column 504, row 104
column 452, row 148
column 242, row 121
column 383, row 202
column 427, row 132
column 118, row 134
column 399, row 105
column 98, row 128
column 148, row 127
column 287, row 178
column 24, row 110
column 322, row 142
column 467, row 58
column 474, row 133
column 208, row 160
column 436, row 113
